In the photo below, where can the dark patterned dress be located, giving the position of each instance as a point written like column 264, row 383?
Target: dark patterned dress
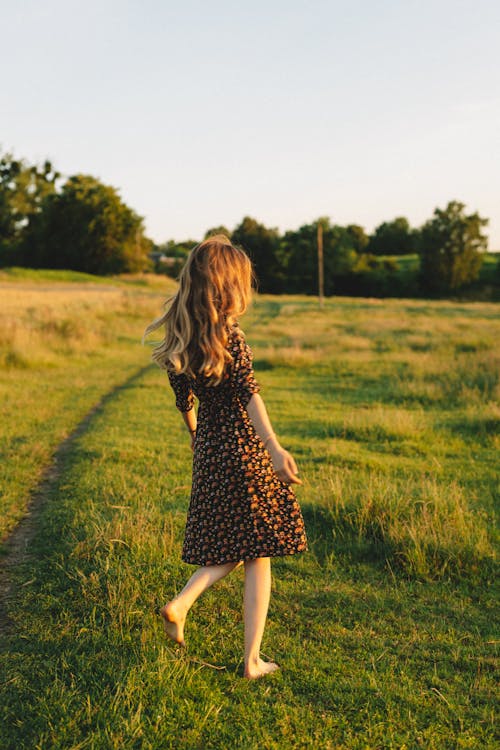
column 239, row 509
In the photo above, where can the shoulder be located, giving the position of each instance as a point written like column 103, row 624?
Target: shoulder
column 239, row 348
column 236, row 337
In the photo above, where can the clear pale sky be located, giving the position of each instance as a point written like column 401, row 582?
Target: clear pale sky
column 201, row 112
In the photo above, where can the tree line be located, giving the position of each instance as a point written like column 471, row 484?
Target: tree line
column 450, row 248
column 82, row 224
column 77, row 223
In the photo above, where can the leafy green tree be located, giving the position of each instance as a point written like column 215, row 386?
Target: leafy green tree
column 373, row 276
column 300, row 249
column 86, row 227
column 263, row 246
column 392, row 238
column 9, row 172
column 451, row 249
column 23, row 188
column 358, row 238
column 218, row 230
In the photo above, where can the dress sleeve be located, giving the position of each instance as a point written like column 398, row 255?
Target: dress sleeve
column 184, row 398
column 243, row 378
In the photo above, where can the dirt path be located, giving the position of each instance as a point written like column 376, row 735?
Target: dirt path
column 16, row 547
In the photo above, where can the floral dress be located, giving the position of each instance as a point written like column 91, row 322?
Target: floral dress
column 239, row 508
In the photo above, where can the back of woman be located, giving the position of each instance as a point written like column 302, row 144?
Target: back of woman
column 242, row 508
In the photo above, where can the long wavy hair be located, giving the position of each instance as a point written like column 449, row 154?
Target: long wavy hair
column 215, row 287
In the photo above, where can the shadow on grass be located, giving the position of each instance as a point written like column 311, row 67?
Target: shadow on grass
column 261, row 365
column 480, row 430
column 339, row 541
column 353, row 391
column 334, row 538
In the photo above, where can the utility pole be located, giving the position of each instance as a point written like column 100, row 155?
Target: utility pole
column 321, row 274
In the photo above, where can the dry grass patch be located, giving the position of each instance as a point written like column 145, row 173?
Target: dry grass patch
column 37, row 327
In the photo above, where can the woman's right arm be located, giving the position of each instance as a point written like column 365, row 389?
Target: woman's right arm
column 283, row 462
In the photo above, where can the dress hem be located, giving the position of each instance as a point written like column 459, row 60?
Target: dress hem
column 246, row 558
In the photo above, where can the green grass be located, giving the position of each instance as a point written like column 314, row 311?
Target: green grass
column 16, row 273
column 384, row 629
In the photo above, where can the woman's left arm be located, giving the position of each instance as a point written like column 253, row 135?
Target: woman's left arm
column 283, row 462
column 189, row 418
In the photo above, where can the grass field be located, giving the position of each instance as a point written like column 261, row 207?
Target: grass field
column 385, row 629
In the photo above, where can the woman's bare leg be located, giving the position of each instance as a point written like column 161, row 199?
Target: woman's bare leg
column 255, row 605
column 174, row 613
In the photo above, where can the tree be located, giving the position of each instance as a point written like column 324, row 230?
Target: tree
column 451, row 249
column 299, row 248
column 392, row 238
column 86, row 227
column 218, row 230
column 10, row 169
column 23, row 188
column 358, row 238
column 262, row 245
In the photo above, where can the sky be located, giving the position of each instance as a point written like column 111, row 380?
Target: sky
column 201, row 112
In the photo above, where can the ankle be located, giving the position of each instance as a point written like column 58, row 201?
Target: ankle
column 261, row 668
column 252, row 661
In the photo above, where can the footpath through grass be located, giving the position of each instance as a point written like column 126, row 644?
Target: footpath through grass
column 384, row 630
column 65, row 342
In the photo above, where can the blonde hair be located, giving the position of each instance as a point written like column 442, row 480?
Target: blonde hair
column 215, row 287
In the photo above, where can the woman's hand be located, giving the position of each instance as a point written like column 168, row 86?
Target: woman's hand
column 284, row 464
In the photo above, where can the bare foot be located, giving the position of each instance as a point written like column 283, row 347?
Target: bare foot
column 173, row 622
column 261, row 668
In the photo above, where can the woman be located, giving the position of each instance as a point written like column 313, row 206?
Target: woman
column 242, row 509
